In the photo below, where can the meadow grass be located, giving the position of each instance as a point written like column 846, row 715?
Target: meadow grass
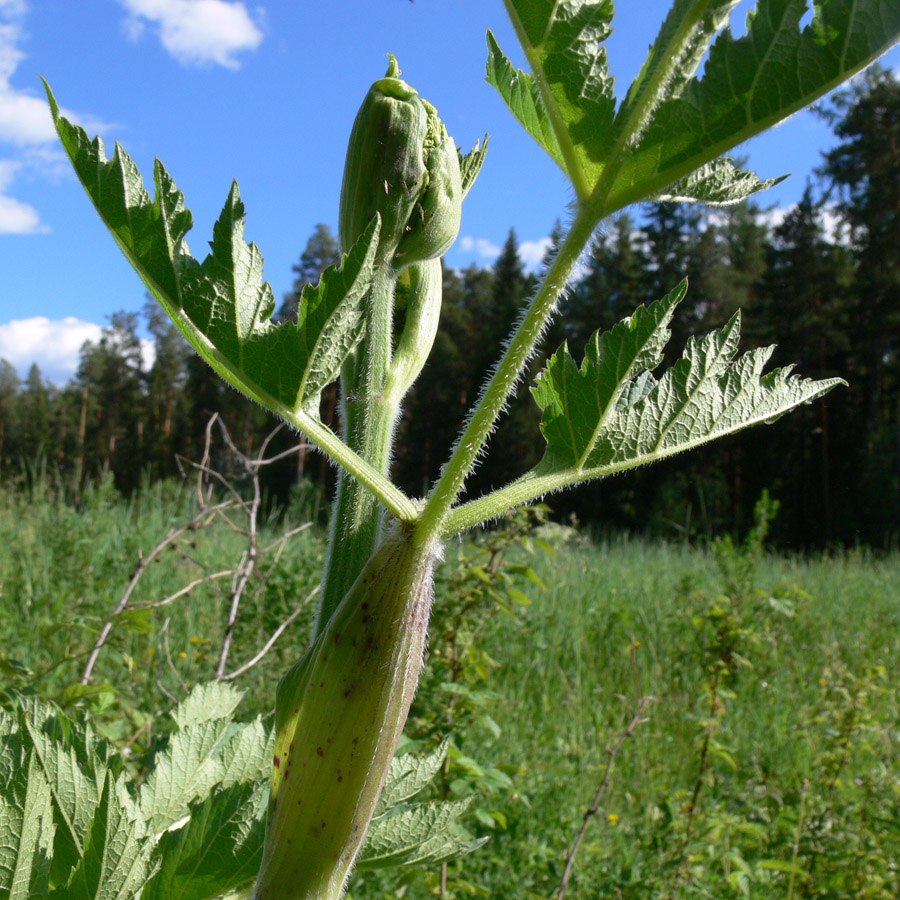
column 798, row 794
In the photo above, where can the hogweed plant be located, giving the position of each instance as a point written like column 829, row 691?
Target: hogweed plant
column 370, row 323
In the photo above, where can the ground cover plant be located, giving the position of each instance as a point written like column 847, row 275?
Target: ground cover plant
column 340, row 710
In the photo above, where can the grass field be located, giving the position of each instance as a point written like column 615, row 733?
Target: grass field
column 765, row 763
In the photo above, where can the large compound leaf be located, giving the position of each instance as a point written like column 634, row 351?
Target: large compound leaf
column 75, row 776
column 408, row 774
column 576, row 403
column 222, row 305
column 26, row 834
column 707, row 394
column 672, row 123
column 568, row 103
column 426, row 832
column 752, row 83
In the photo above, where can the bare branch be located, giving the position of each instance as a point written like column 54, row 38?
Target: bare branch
column 155, row 604
column 591, row 811
column 273, row 637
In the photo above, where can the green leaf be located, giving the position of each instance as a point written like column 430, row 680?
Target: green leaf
column 707, row 394
column 116, row 863
column 570, row 95
column 719, row 183
column 674, row 57
column 75, row 775
column 576, row 403
column 192, row 764
column 247, row 754
column 75, row 692
column 672, row 123
column 207, row 702
column 521, row 95
column 222, row 305
column 399, row 837
column 26, row 834
column 408, row 774
column 470, row 164
column 748, row 85
column 218, row 850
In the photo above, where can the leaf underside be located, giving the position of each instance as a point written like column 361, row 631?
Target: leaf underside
column 222, row 305
column 671, row 122
column 613, row 414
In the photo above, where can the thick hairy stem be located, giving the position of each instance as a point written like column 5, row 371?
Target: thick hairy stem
column 339, row 715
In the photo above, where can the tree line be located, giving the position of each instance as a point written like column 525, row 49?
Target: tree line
column 823, row 283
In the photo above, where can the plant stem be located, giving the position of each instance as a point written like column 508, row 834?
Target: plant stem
column 369, row 418
column 503, row 381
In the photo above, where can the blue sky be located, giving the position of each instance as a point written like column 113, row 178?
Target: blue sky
column 265, row 93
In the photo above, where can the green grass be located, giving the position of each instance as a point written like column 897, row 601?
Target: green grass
column 804, row 768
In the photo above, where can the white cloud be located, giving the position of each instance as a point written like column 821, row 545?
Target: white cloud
column 197, row 32
column 480, row 246
column 26, row 127
column 532, row 253
column 52, row 344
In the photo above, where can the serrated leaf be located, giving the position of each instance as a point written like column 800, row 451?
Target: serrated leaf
column 190, row 767
column 12, row 753
column 207, row 702
column 577, row 402
column 26, row 834
column 116, row 863
column 707, row 394
column 521, row 95
column 571, row 92
column 672, row 123
column 408, row 774
column 222, row 305
column 393, row 838
column 75, row 775
column 719, row 183
column 219, row 849
column 247, row 753
column 674, row 56
column 470, row 164
column 751, row 83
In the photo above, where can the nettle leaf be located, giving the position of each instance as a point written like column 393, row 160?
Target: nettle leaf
column 719, row 183
column 192, row 764
column 75, row 775
column 577, row 403
column 707, row 394
column 568, row 103
column 218, row 850
column 26, row 834
column 414, row 835
column 222, row 305
column 116, row 863
column 409, row 774
column 748, row 85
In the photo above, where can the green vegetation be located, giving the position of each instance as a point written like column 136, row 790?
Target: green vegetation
column 803, row 735
column 369, row 324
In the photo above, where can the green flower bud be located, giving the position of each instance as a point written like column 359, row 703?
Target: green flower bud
column 339, row 715
column 402, row 164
